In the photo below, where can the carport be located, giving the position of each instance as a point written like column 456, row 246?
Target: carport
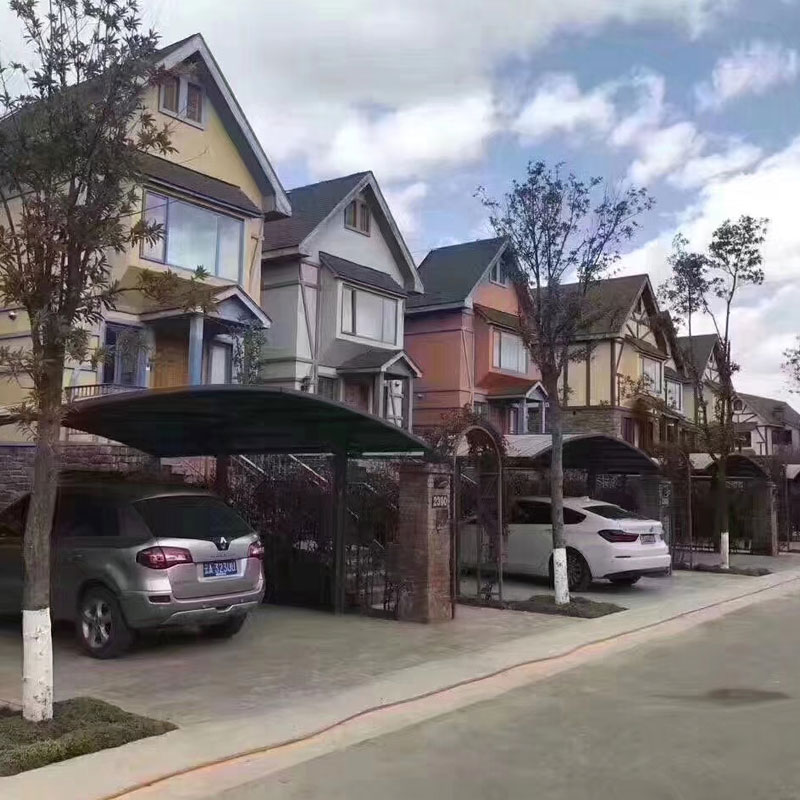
column 226, row 420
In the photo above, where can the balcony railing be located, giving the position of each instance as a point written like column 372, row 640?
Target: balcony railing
column 75, row 393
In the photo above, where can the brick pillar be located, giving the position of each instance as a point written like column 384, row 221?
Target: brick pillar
column 422, row 549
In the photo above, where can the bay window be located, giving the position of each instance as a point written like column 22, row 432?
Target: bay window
column 369, row 315
column 509, row 352
column 651, row 372
column 675, row 395
column 194, row 237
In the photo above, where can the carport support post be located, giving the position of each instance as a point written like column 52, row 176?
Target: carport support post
column 222, row 476
column 339, row 518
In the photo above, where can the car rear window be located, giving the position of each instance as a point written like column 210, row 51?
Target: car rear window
column 613, row 512
column 190, row 517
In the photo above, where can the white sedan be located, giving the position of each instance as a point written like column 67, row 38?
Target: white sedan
column 603, row 541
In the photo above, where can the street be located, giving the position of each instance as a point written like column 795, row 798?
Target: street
column 709, row 713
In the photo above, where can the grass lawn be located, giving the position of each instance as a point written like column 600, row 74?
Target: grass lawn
column 545, row 604
column 79, row 726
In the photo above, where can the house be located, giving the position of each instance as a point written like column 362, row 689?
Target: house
column 463, row 332
column 212, row 195
column 765, row 426
column 702, row 354
column 335, row 278
column 627, row 375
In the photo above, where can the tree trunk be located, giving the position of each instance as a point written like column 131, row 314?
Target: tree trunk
column 560, row 578
column 37, row 643
column 723, row 512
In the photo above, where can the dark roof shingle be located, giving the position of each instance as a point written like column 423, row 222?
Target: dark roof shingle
column 450, row 273
column 357, row 273
column 310, row 205
column 172, row 174
column 773, row 412
column 698, row 349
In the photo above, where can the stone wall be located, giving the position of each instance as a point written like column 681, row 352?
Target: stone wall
column 421, row 554
column 594, row 420
column 16, row 464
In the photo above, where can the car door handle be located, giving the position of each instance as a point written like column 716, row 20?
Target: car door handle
column 76, row 557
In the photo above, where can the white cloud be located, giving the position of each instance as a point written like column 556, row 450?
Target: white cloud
column 750, row 69
column 559, row 106
column 766, row 318
column 649, row 109
column 663, row 150
column 698, row 171
column 403, row 203
column 411, row 141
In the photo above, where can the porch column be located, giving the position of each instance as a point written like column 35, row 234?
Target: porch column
column 196, row 350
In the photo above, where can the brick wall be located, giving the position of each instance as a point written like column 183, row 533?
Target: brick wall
column 421, row 554
column 16, row 464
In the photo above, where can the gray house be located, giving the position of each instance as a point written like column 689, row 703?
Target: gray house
column 334, row 281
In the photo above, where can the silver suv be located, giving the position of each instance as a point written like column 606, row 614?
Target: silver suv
column 128, row 557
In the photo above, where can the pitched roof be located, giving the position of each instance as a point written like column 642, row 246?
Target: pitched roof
column 500, row 318
column 612, row 299
column 773, row 412
column 159, row 170
column 357, row 273
column 310, row 206
column 698, row 349
column 450, row 273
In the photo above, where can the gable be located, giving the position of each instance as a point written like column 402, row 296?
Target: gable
column 238, row 151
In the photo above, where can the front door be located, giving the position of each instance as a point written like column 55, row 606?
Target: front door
column 357, row 394
column 171, row 362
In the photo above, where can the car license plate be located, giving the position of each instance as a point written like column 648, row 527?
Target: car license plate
column 647, row 538
column 219, row 569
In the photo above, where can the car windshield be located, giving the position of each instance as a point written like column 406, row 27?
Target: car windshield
column 191, row 517
column 613, row 512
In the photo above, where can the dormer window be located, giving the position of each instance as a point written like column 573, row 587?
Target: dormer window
column 357, row 217
column 498, row 275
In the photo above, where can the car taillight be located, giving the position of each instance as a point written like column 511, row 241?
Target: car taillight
column 163, row 557
column 618, row 536
column 256, row 550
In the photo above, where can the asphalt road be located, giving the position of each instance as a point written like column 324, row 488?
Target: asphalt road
column 711, row 713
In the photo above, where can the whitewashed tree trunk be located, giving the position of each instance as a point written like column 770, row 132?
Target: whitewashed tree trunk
column 724, row 550
column 560, row 577
column 37, row 669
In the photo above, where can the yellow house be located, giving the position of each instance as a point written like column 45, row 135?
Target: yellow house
column 628, row 355
column 212, row 195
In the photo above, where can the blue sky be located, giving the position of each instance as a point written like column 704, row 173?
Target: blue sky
column 696, row 99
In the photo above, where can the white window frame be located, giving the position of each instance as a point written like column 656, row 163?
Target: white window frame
column 351, row 293
column 658, row 386
column 678, row 406
column 164, row 241
column 363, row 217
column 497, row 351
column 496, row 274
column 183, row 95
column 394, row 390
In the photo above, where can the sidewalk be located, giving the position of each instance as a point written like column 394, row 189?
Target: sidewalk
column 422, row 660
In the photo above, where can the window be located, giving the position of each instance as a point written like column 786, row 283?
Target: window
column 675, row 395
column 123, row 350
column 497, row 274
column 369, row 315
column 191, row 517
column 12, row 520
column 194, row 236
column 86, row 516
column 651, row 371
column 738, row 405
column 194, row 102
column 170, row 92
column 481, row 409
column 613, row 512
column 629, row 430
column 357, row 216
column 393, row 401
column 745, row 439
column 509, row 352
column 328, row 388
column 536, row 512
column 781, row 437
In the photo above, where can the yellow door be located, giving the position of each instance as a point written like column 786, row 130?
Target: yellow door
column 171, row 362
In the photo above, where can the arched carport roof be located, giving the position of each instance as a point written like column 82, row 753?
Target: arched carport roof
column 596, row 452
column 739, row 465
column 236, row 420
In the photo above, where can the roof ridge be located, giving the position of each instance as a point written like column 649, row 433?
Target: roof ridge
column 330, row 180
column 466, row 244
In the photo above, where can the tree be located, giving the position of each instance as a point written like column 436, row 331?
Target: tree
column 72, row 128
column 561, row 228
column 709, row 283
column 791, row 366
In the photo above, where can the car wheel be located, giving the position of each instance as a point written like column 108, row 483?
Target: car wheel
column 224, row 630
column 578, row 573
column 101, row 628
column 628, row 581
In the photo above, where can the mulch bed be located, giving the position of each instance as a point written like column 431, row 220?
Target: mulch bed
column 79, row 726
column 545, row 604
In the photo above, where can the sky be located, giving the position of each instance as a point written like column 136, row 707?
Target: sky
column 695, row 99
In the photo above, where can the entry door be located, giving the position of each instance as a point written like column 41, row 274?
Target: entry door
column 171, row 363
column 530, row 537
column 356, row 394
